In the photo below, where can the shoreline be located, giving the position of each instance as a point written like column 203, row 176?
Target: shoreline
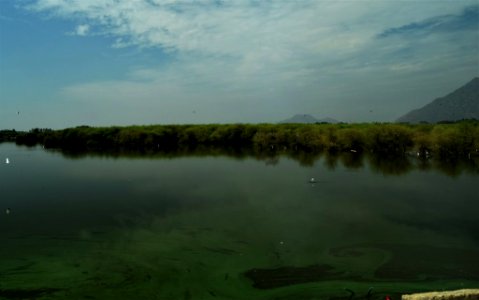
column 442, row 141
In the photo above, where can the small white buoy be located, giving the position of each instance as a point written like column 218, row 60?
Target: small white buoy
column 7, row 211
column 312, row 180
column 7, row 161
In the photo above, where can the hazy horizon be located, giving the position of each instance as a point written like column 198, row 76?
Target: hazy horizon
column 102, row 62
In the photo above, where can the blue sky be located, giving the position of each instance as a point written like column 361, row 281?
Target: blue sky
column 117, row 62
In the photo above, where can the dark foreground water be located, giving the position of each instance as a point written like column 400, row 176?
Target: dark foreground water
column 224, row 228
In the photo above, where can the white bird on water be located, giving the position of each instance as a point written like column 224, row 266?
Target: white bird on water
column 312, row 180
column 7, row 161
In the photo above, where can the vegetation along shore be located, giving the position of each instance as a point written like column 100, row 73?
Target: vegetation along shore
column 443, row 141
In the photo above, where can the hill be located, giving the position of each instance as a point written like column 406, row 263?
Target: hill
column 463, row 103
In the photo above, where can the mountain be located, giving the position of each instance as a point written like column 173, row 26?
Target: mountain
column 308, row 119
column 463, row 103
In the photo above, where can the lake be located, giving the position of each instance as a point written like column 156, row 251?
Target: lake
column 219, row 227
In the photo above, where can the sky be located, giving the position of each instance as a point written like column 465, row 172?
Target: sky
column 67, row 63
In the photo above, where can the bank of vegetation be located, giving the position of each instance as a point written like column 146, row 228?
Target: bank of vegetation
column 9, row 135
column 445, row 141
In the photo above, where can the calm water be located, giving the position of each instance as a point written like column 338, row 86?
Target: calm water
column 224, row 228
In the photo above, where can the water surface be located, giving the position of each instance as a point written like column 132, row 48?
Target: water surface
column 225, row 228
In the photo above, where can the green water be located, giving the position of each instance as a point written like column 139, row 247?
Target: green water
column 224, row 228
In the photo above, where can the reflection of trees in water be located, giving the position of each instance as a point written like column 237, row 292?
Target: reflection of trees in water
column 347, row 159
column 272, row 161
column 451, row 168
column 305, row 159
column 384, row 164
column 424, row 164
column 352, row 160
column 331, row 161
column 455, row 168
column 390, row 165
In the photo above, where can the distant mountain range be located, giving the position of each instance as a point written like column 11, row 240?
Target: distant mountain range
column 463, row 103
column 308, row 119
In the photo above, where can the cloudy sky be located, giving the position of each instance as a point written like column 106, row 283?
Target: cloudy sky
column 116, row 62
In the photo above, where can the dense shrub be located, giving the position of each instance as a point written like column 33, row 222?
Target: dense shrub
column 390, row 139
column 443, row 140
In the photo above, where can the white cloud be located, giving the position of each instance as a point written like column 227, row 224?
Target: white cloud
column 82, row 30
column 270, row 49
column 240, row 28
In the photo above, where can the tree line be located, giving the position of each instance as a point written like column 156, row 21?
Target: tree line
column 456, row 140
